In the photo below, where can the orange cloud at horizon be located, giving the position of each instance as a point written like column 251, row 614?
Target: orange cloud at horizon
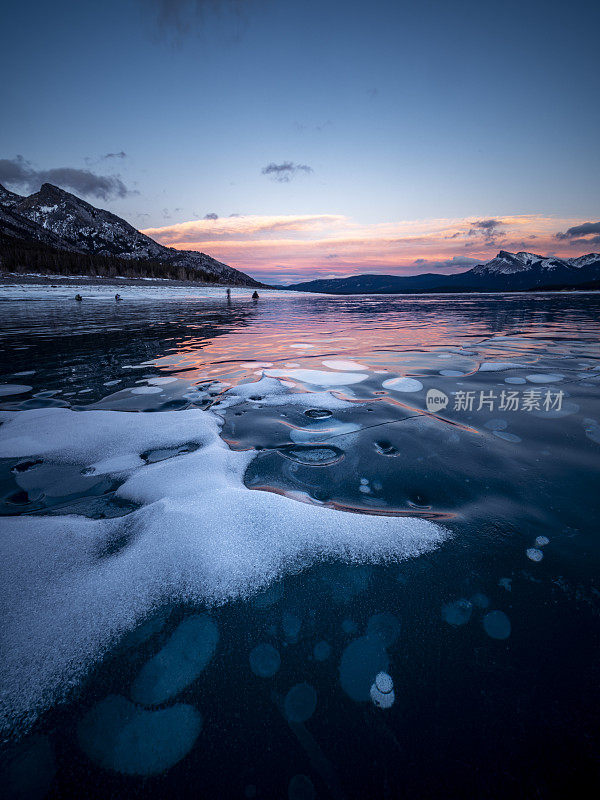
column 290, row 248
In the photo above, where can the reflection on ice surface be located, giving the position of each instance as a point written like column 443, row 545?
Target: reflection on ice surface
column 189, row 611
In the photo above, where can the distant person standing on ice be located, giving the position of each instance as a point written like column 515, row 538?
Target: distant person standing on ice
column 255, row 295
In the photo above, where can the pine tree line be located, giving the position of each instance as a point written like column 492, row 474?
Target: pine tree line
column 22, row 257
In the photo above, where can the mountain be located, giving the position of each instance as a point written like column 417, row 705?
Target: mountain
column 504, row 273
column 62, row 221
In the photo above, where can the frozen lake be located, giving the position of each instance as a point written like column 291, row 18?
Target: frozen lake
column 302, row 547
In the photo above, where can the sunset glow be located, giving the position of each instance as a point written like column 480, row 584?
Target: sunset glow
column 291, row 248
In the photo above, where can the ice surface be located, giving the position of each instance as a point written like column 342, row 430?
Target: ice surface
column 318, row 377
column 300, row 702
column 291, row 625
column 301, row 788
column 322, row 651
column 265, row 661
column 403, row 384
column 515, row 380
column 200, row 537
column 7, row 389
column 146, row 390
column 182, row 659
column 272, row 392
column 508, row 437
column 384, row 626
column 68, row 287
column 30, row 770
column 120, row 736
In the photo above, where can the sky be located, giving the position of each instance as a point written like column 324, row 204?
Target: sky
column 314, row 139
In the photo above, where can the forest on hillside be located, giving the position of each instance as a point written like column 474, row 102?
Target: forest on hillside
column 22, row 257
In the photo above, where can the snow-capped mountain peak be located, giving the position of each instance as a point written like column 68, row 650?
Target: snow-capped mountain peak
column 57, row 217
column 506, row 263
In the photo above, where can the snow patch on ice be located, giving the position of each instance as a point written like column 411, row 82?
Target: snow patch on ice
column 200, row 537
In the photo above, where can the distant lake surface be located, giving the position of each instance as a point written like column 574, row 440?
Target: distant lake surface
column 303, row 547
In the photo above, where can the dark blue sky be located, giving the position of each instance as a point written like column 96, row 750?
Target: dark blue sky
column 394, row 111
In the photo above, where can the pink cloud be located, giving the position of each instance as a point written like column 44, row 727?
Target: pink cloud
column 287, row 248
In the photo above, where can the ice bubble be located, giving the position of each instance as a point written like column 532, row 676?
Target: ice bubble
column 361, row 661
column 384, row 626
column 349, row 626
column 302, row 346
column 301, row 788
column 505, row 583
column 120, row 736
column 291, row 625
column 344, row 366
column 451, row 373
column 265, row 661
column 496, row 424
column 322, row 651
column 146, row 390
column 534, row 554
column 480, row 600
column 317, row 413
column 319, row 377
column 161, row 381
column 323, row 430
column 498, row 366
column 457, row 613
column 313, row 454
column 179, row 663
column 515, row 380
column 384, row 682
column 25, row 373
column 300, row 702
column 382, row 691
column 7, row 389
column 545, row 378
column 541, row 541
column 403, row 384
column 497, row 625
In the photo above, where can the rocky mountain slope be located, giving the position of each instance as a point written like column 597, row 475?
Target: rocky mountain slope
column 506, row 272
column 63, row 221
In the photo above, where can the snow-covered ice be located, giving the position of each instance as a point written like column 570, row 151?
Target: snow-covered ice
column 200, row 537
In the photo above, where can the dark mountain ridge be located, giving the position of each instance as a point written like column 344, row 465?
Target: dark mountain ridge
column 505, row 273
column 42, row 228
